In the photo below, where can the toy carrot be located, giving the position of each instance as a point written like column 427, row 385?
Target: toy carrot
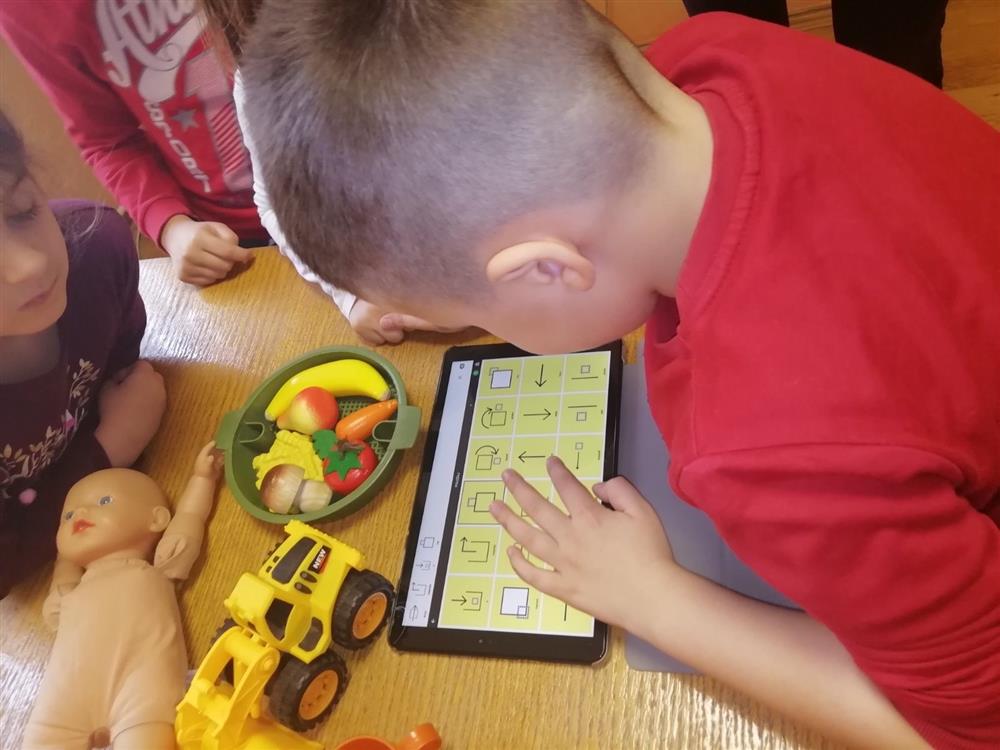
column 359, row 425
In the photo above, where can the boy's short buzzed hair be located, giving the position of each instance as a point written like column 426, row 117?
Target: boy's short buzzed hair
column 395, row 135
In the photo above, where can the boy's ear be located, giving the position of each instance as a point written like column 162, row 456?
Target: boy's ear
column 542, row 262
column 161, row 519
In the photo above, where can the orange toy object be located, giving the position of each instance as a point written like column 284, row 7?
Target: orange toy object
column 422, row 737
column 118, row 664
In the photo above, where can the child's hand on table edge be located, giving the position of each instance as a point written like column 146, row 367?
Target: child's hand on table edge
column 376, row 326
column 603, row 559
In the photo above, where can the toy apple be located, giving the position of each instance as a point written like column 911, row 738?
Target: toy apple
column 311, row 410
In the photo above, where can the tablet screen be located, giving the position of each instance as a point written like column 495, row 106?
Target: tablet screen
column 497, row 409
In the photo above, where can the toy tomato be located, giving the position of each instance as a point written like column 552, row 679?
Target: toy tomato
column 348, row 465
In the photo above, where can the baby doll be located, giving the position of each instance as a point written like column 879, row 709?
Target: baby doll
column 118, row 665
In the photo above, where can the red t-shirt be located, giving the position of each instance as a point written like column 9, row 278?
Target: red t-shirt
column 145, row 98
column 828, row 377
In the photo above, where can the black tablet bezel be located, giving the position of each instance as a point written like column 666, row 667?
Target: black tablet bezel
column 533, row 646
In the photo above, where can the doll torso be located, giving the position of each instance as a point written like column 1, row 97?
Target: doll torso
column 118, row 658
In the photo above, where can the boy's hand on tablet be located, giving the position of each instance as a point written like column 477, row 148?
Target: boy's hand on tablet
column 602, row 559
column 203, row 252
column 131, row 405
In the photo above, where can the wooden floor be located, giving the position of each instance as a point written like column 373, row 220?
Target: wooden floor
column 970, row 47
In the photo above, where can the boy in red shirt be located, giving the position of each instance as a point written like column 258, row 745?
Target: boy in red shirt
column 814, row 238
column 146, row 100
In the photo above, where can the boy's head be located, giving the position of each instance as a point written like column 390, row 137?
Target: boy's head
column 33, row 261
column 466, row 161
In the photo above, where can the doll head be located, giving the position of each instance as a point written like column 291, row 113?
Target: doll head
column 112, row 513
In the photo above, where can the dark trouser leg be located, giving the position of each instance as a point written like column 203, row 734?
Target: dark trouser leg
column 774, row 11
column 906, row 33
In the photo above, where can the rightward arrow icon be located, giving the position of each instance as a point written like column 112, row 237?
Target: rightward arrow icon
column 463, row 600
column 540, row 380
column 543, row 414
column 523, row 456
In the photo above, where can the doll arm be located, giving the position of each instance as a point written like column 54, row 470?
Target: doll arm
column 65, row 577
column 181, row 542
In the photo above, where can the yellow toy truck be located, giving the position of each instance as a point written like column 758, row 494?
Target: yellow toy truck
column 311, row 591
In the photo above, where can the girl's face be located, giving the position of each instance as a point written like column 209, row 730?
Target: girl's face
column 33, row 260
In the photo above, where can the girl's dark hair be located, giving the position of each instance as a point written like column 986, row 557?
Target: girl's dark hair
column 230, row 21
column 13, row 158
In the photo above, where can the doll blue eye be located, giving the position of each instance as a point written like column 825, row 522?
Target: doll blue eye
column 67, row 515
column 106, row 500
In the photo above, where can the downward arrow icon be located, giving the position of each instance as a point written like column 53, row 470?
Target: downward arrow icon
column 540, row 380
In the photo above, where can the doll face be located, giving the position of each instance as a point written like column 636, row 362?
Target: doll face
column 111, row 511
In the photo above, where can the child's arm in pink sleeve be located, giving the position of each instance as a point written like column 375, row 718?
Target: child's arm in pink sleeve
column 106, row 132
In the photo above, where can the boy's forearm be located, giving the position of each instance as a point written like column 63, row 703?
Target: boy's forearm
column 780, row 657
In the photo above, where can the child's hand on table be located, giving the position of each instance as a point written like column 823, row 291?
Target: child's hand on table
column 376, row 326
column 602, row 558
column 203, row 252
column 131, row 405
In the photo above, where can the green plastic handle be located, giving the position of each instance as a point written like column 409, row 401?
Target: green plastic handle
column 226, row 433
column 407, row 428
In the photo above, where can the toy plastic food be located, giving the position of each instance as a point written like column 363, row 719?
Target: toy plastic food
column 421, row 737
column 285, row 487
column 289, row 448
column 118, row 663
column 244, row 434
column 347, row 465
column 312, row 409
column 311, row 591
column 342, row 377
column 359, row 425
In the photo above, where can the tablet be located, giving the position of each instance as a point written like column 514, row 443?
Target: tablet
column 498, row 407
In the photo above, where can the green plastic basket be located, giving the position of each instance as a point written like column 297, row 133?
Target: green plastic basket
column 245, row 433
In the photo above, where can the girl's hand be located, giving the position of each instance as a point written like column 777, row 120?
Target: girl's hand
column 603, row 559
column 131, row 405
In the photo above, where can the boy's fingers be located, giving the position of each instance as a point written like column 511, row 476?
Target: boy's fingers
column 574, row 495
column 547, row 515
column 392, row 336
column 535, row 540
column 546, row 581
column 400, row 322
column 621, row 495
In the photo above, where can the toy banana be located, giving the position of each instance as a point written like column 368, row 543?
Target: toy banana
column 343, row 377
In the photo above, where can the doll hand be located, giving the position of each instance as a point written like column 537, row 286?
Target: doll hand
column 52, row 606
column 170, row 548
column 131, row 405
column 209, row 462
column 600, row 556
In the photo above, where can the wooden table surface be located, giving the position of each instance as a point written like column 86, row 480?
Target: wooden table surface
column 213, row 347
